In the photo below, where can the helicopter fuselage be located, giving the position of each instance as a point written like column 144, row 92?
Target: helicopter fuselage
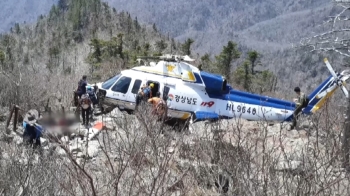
column 191, row 98
column 192, row 93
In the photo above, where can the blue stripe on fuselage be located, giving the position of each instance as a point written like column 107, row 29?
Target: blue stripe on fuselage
column 312, row 96
column 249, row 98
column 198, row 78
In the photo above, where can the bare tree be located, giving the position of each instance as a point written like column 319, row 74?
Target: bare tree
column 335, row 38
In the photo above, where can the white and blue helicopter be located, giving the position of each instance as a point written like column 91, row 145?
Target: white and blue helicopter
column 193, row 95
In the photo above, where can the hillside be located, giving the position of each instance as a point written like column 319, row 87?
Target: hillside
column 213, row 23
column 253, row 23
column 21, row 11
column 75, row 38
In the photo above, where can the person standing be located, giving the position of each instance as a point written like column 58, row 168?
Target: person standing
column 85, row 103
column 82, row 86
column 301, row 102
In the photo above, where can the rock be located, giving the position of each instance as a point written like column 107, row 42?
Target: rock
column 92, row 149
column 3, row 117
column 109, row 126
column 303, row 134
column 171, row 150
column 44, row 142
column 75, row 149
column 92, row 133
column 80, row 155
column 283, row 165
column 65, row 139
column 60, row 151
column 17, row 139
column 7, row 138
column 5, row 156
column 293, row 134
column 81, row 132
column 306, row 124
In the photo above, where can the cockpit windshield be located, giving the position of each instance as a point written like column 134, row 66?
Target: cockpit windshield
column 108, row 83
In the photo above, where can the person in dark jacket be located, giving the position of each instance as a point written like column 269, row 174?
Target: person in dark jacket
column 82, row 86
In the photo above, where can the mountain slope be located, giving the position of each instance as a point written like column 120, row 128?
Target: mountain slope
column 81, row 37
column 216, row 22
column 269, row 26
column 212, row 23
column 21, row 11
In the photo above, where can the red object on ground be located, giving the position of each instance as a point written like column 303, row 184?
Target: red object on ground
column 98, row 126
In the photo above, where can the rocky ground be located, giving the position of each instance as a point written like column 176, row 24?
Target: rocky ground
column 134, row 155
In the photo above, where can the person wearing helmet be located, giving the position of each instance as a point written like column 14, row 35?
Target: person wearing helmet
column 147, row 92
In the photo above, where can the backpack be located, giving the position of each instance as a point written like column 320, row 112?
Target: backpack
column 85, row 101
column 147, row 92
column 92, row 97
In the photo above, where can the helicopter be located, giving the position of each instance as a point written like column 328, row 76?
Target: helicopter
column 193, row 95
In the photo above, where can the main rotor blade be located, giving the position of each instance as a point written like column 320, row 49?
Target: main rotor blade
column 330, row 68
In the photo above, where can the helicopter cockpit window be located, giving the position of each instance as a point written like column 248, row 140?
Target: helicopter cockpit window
column 122, row 85
column 108, row 83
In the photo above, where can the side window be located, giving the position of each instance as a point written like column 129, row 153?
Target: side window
column 122, row 85
column 165, row 93
column 136, row 87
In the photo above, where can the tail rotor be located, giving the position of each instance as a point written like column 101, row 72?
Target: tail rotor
column 340, row 81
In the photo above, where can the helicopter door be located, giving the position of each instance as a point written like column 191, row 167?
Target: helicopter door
column 131, row 95
column 156, row 87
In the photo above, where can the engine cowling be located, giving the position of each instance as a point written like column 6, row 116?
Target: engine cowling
column 214, row 83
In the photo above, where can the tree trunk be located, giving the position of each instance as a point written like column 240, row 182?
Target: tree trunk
column 346, row 138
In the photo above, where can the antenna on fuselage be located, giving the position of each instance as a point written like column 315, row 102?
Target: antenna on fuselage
column 168, row 58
